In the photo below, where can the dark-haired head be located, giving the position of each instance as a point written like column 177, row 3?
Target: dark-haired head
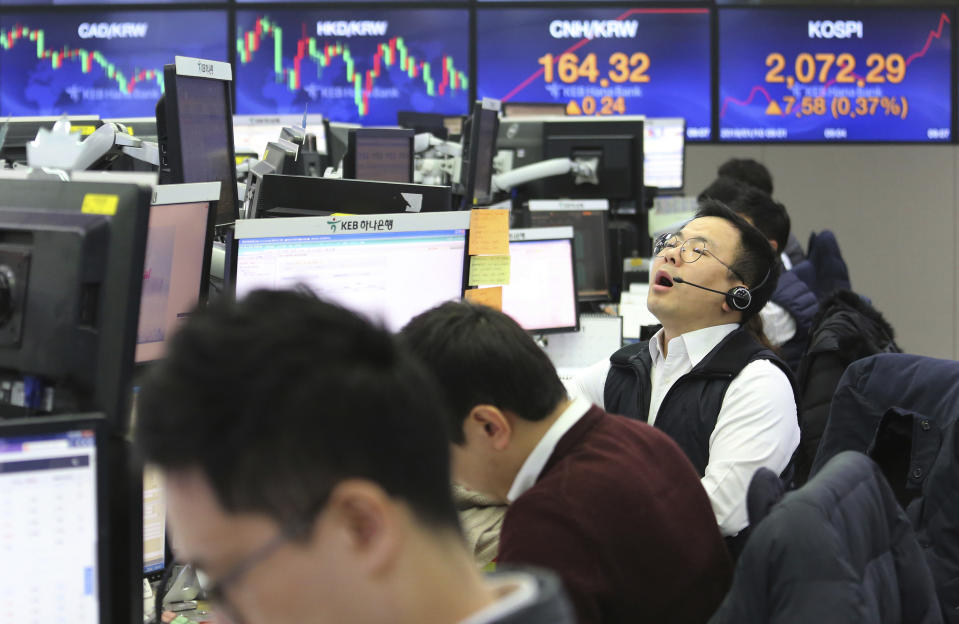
column 482, row 356
column 280, row 397
column 765, row 213
column 724, row 189
column 755, row 261
column 748, row 171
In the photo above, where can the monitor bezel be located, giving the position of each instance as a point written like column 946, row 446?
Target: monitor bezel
column 550, row 234
column 172, row 169
column 358, row 134
column 41, row 425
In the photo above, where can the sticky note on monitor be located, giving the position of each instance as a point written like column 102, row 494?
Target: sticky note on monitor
column 489, row 232
column 489, row 270
column 489, row 297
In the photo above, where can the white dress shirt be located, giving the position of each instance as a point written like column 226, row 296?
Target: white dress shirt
column 778, row 324
column 534, row 464
column 756, row 426
column 786, row 261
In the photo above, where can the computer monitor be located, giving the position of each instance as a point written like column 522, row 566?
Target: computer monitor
column 616, row 144
column 179, row 245
column 664, row 151
column 154, row 523
column 589, row 219
column 71, row 260
column 383, row 154
column 479, row 148
column 302, row 196
column 337, row 140
column 388, row 267
column 431, row 123
column 54, row 535
column 533, row 109
column 195, row 128
column 253, row 132
column 541, row 295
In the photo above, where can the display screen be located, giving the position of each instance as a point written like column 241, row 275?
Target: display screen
column 383, row 158
column 172, row 272
column 109, row 64
column 831, row 74
column 388, row 276
column 541, row 295
column 50, row 528
column 609, row 61
column 358, row 66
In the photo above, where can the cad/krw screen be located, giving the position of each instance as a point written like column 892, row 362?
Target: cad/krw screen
column 106, row 63
column 390, row 277
column 49, row 528
column 600, row 61
column 541, row 294
column 835, row 74
column 359, row 66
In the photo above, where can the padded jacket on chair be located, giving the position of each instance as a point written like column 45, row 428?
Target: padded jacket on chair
column 839, row 550
column 845, row 329
column 824, row 269
column 902, row 410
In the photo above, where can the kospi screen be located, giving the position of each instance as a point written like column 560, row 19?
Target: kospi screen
column 600, row 61
column 352, row 66
column 94, row 62
column 835, row 74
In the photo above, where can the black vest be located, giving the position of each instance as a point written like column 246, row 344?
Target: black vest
column 689, row 410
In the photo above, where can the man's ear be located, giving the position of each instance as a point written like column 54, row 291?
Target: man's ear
column 367, row 520
column 486, row 424
column 774, row 245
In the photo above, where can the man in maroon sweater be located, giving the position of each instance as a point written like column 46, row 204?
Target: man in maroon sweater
column 611, row 504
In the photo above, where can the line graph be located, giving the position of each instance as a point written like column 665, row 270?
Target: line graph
column 106, row 62
column 86, row 58
column 757, row 89
column 336, row 60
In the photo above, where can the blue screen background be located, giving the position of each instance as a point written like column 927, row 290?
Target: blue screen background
column 32, row 86
column 428, row 35
column 510, row 42
column 920, row 35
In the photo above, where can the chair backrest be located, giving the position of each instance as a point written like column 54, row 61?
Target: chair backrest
column 839, row 549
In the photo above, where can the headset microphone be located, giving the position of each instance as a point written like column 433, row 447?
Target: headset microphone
column 738, row 298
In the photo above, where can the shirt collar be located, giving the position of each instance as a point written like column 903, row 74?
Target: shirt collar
column 695, row 344
column 516, row 591
column 534, row 464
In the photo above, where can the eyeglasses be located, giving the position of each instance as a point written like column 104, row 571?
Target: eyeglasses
column 690, row 250
column 216, row 592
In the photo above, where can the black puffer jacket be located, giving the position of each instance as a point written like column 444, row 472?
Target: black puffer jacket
column 840, row 550
column 845, row 329
column 902, row 410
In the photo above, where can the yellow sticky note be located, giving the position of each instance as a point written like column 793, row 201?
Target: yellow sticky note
column 489, row 270
column 489, row 297
column 84, row 130
column 489, row 231
column 94, row 203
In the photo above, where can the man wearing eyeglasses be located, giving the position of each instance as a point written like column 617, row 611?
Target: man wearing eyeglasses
column 308, row 474
column 705, row 378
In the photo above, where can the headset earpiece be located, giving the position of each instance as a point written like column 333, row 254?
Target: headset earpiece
column 739, row 298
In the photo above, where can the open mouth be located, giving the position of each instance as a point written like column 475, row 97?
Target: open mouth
column 663, row 280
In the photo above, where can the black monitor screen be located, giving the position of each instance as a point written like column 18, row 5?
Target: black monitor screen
column 205, row 136
column 591, row 247
column 383, row 158
column 486, row 143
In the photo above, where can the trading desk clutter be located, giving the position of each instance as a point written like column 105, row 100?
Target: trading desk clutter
column 410, row 315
